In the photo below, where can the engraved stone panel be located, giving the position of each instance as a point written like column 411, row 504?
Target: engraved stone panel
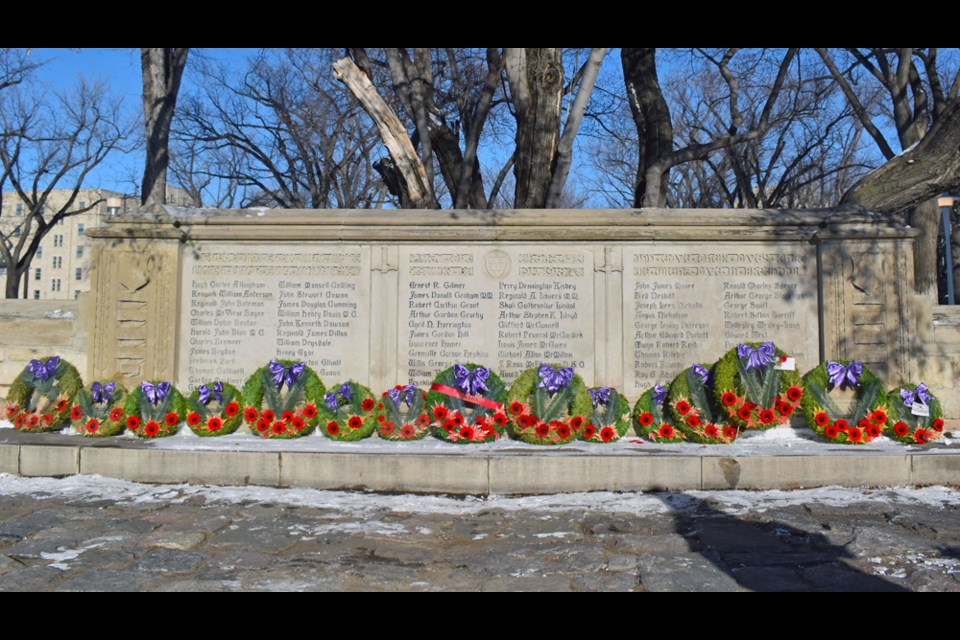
column 509, row 307
column 683, row 306
column 245, row 304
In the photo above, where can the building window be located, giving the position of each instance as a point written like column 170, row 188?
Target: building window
column 58, row 241
column 78, row 274
column 57, row 262
column 36, row 294
column 55, row 284
column 76, row 293
column 39, row 252
column 79, row 252
column 80, row 229
column 36, row 273
column 19, row 209
column 60, row 221
column 83, row 204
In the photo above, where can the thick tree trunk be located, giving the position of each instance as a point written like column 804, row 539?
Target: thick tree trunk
column 654, row 126
column 410, row 182
column 12, row 289
column 536, row 82
column 162, row 71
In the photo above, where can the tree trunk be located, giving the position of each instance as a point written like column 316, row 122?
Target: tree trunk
column 654, row 126
column 536, row 83
column 162, row 71
column 13, row 283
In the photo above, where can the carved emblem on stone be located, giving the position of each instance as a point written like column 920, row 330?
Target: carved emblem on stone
column 496, row 264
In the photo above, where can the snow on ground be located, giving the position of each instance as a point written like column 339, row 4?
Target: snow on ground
column 362, row 506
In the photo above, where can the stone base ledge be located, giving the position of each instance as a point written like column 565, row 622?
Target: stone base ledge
column 503, row 472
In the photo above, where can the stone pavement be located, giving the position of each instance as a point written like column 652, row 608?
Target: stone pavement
column 89, row 533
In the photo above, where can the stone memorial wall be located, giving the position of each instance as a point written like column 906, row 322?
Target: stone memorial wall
column 629, row 298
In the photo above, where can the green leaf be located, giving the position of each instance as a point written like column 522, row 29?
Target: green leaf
column 558, row 406
column 771, row 386
column 270, row 393
column 613, row 412
column 656, row 411
column 750, row 383
column 294, row 396
column 698, row 396
column 821, row 398
column 194, row 405
column 540, row 401
column 868, row 398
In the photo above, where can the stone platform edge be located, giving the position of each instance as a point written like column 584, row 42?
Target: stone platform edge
column 480, row 473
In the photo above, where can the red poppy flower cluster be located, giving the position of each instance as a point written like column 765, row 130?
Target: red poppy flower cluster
column 705, row 431
column 32, row 421
column 756, row 416
column 921, row 435
column 153, row 428
column 555, row 431
column 290, row 423
column 869, row 427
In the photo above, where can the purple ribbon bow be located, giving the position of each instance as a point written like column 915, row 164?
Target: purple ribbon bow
column 407, row 393
column 844, row 376
column 289, row 374
column 155, row 392
column 659, row 393
column 331, row 398
column 204, row 392
column 103, row 392
column 43, row 370
column 344, row 391
column 554, row 379
column 471, row 382
column 756, row 358
column 920, row 393
column 701, row 372
column 601, row 394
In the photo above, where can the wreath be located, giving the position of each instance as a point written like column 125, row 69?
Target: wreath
column 280, row 399
column 549, row 405
column 214, row 409
column 918, row 418
column 695, row 413
column 349, row 413
column 610, row 419
column 40, row 397
column 465, row 403
column 650, row 418
column 99, row 411
column 754, row 389
column 402, row 414
column 869, row 415
column 154, row 410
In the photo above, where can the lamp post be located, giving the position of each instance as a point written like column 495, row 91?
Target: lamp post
column 946, row 206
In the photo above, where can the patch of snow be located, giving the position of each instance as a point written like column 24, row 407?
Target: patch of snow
column 6, row 424
column 59, row 313
column 557, row 534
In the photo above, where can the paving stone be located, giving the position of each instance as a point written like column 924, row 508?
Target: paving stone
column 251, row 535
column 170, row 561
column 536, row 584
column 689, row 572
column 32, row 523
column 838, row 577
column 35, row 578
column 769, row 579
column 178, row 540
column 109, row 580
column 410, row 554
column 605, row 582
column 622, row 562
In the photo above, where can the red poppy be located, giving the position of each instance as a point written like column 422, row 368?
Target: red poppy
column 333, row 428
column 214, row 424
column 151, row 429
column 523, row 421
column 766, row 416
column 743, row 412
column 479, row 420
column 729, row 398
column 381, row 418
column 855, row 434
column 563, row 431
column 873, row 431
column 879, row 417
column 683, row 407
column 841, row 425
column 133, row 423
column 19, row 421
column 783, row 357
column 694, row 421
column 75, row 413
column 794, row 393
column 516, row 408
column 93, row 425
column 116, row 415
column 423, row 420
column 458, row 419
column 380, row 406
column 407, row 431
column 542, row 430
column 298, row 423
column 831, row 431
column 286, row 416
column 863, row 424
column 608, row 433
column 279, row 427
column 645, row 419
column 729, row 433
column 589, row 431
column 62, row 404
column 938, row 425
column 387, row 428
column 440, row 412
column 666, row 431
column 193, row 419
column 449, row 425
column 171, row 419
column 47, row 419
column 711, row 431
column 12, row 411
column 263, row 426
column 231, row 409
column 501, row 419
column 467, row 433
column 34, row 420
column 267, row 415
column 250, row 415
column 355, row 422
column 310, row 411
column 901, row 429
column 786, row 409
column 922, row 436
column 576, row 422
column 367, row 404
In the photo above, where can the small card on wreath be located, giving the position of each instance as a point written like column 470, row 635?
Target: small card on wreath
column 919, row 409
column 786, row 364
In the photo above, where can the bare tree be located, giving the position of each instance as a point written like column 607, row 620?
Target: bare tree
column 46, row 144
column 162, row 70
